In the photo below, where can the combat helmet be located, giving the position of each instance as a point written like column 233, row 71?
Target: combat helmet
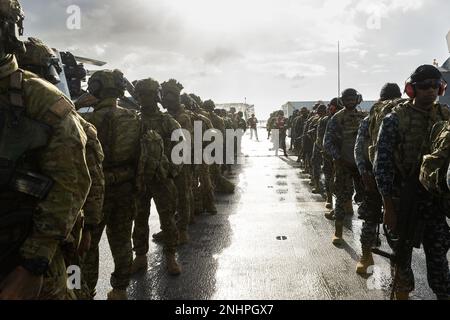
column 107, row 84
column 149, row 87
column 11, row 18
column 41, row 60
column 209, row 105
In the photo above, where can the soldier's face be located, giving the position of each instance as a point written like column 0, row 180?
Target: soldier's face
column 147, row 99
column 350, row 102
column 170, row 100
column 427, row 91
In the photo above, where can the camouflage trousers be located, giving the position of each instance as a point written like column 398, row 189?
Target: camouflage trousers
column 345, row 181
column 55, row 280
column 220, row 183
column 203, row 188
column 119, row 209
column 165, row 195
column 183, row 182
column 316, row 163
column 371, row 212
column 328, row 172
column 436, row 243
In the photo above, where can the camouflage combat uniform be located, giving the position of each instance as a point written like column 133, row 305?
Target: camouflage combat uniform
column 120, row 185
column 339, row 143
column 162, row 189
column 403, row 139
column 53, row 133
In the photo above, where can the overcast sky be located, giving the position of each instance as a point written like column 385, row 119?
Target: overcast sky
column 268, row 51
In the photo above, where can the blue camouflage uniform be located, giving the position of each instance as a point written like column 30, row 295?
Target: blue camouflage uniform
column 370, row 208
column 338, row 146
column 389, row 176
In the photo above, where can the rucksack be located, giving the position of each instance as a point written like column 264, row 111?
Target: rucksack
column 119, row 148
column 377, row 113
column 433, row 171
column 152, row 162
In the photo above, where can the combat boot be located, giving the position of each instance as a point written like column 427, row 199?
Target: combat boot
column 365, row 262
column 338, row 239
column 183, row 238
column 116, row 294
column 158, row 236
column 402, row 295
column 316, row 187
column 173, row 267
column 330, row 215
column 329, row 204
column 348, row 208
column 140, row 263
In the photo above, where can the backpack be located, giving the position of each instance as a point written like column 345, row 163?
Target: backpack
column 433, row 171
column 152, row 161
column 377, row 113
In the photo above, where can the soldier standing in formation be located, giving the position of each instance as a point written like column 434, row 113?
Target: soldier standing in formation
column 37, row 213
column 162, row 189
column 402, row 142
column 339, row 142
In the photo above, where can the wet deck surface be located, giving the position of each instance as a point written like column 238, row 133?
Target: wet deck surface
column 269, row 241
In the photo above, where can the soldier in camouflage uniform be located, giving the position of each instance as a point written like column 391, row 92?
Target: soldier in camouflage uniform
column 307, row 142
column 299, row 127
column 292, row 121
column 41, row 59
column 221, row 184
column 183, row 182
column 434, row 178
column 402, row 141
column 370, row 208
column 203, row 186
column 328, row 166
column 119, row 133
column 162, row 189
column 339, row 142
column 42, row 190
column 316, row 159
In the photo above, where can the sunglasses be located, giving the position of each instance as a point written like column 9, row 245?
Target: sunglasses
column 427, row 84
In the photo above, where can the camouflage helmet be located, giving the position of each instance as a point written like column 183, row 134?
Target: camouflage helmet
column 11, row 11
column 172, row 86
column 197, row 99
column 209, row 105
column 187, row 101
column 107, row 84
column 11, row 15
column 149, row 87
column 41, row 60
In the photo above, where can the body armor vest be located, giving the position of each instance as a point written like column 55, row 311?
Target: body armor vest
column 349, row 122
column 414, row 130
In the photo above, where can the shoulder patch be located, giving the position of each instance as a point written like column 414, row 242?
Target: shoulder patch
column 61, row 108
column 57, row 112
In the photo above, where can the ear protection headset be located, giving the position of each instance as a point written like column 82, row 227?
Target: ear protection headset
column 410, row 89
column 359, row 99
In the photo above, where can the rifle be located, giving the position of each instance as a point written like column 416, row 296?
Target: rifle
column 409, row 229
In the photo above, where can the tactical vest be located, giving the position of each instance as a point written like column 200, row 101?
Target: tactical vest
column 349, row 122
column 119, row 132
column 433, row 172
column 377, row 113
column 413, row 135
column 22, row 184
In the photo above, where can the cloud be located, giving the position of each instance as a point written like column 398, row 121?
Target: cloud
column 410, row 53
column 232, row 49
